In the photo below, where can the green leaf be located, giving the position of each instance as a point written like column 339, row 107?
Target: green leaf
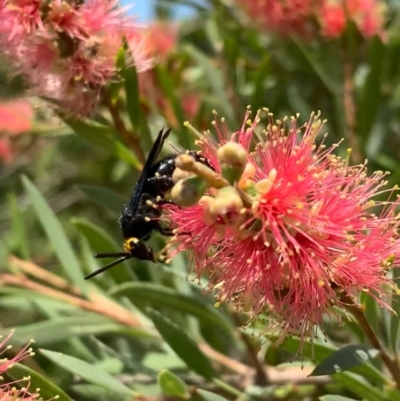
column 161, row 296
column 99, row 239
column 56, row 235
column 183, row 345
column 158, row 360
column 319, row 352
column 104, row 197
column 317, row 66
column 18, row 227
column 345, row 358
column 169, row 90
column 48, row 390
column 132, row 95
column 208, row 396
column 88, row 372
column 104, row 137
column 59, row 329
column 216, row 79
column 171, row 384
column 394, row 317
column 371, row 99
column 334, row 397
column 357, row 385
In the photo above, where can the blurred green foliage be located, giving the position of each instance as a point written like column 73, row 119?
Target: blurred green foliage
column 144, row 329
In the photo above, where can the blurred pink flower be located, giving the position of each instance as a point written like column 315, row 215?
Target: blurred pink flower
column 368, row 15
column 282, row 16
column 163, row 37
column 16, row 116
column 297, row 16
column 297, row 229
column 67, row 50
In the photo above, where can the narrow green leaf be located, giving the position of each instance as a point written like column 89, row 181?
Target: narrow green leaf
column 358, row 386
column 394, row 317
column 93, row 392
column 59, row 329
column 132, row 95
column 99, row 239
column 216, row 79
column 317, row 66
column 319, row 352
column 208, row 396
column 258, row 82
column 18, row 226
column 158, row 360
column 161, row 296
column 334, row 397
column 56, row 235
column 104, row 137
column 171, row 384
column 345, row 358
column 371, row 99
column 183, row 345
column 48, row 390
column 104, row 197
column 169, row 90
column 88, row 372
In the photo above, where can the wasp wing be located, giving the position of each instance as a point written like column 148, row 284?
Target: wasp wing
column 133, row 204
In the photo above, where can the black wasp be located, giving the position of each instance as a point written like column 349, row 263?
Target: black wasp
column 140, row 217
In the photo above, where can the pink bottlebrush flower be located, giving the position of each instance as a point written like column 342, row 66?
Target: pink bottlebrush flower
column 19, row 390
column 297, row 16
column 26, row 15
column 296, row 230
column 282, row 16
column 333, row 20
column 162, row 38
column 23, row 353
column 69, row 49
column 368, row 15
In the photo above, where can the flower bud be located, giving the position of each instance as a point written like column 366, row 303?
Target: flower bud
column 226, row 206
column 180, row 174
column 233, row 158
column 206, row 201
column 265, row 185
column 247, row 178
column 187, row 192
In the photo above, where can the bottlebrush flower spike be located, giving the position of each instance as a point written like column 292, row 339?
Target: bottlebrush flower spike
column 67, row 50
column 18, row 390
column 303, row 232
column 23, row 353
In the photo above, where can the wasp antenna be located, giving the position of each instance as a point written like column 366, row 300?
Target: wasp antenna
column 110, row 255
column 106, row 267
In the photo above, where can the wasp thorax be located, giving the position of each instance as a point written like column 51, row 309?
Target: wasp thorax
column 226, row 207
